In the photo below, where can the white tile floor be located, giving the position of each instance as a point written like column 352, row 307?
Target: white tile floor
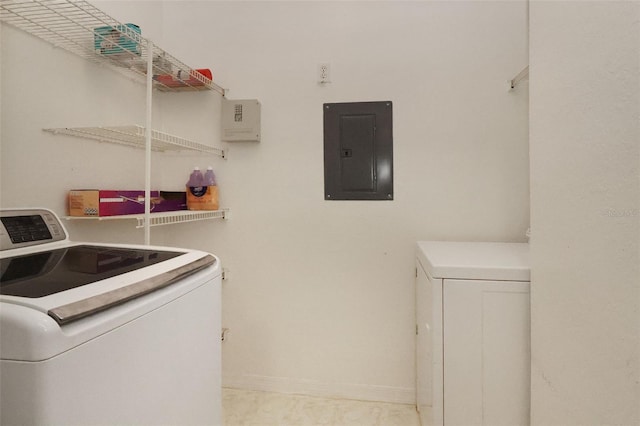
column 253, row 408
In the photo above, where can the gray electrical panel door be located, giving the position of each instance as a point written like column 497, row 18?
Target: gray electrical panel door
column 358, row 151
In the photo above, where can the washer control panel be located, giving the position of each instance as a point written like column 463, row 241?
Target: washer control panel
column 29, row 227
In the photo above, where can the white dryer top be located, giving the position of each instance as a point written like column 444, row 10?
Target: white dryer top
column 475, row 260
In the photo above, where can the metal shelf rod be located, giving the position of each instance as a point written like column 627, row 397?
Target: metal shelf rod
column 147, row 156
column 522, row 75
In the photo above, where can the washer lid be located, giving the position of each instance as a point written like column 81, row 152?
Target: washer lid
column 475, row 260
column 48, row 272
column 104, row 275
column 35, row 329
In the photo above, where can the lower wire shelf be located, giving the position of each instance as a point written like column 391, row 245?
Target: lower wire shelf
column 164, row 218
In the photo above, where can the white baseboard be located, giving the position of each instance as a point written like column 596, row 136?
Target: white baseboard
column 327, row 390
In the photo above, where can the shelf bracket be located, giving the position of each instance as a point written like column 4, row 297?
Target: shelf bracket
column 522, row 75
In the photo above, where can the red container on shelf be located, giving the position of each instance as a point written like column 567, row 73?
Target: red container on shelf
column 184, row 78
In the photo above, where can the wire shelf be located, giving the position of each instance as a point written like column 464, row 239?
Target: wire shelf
column 134, row 136
column 83, row 29
column 164, row 218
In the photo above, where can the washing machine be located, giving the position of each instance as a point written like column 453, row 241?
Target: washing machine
column 105, row 333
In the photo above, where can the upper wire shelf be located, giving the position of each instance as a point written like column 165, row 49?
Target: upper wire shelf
column 135, row 136
column 86, row 31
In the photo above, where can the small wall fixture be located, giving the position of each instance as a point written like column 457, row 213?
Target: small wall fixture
column 241, row 120
column 522, row 75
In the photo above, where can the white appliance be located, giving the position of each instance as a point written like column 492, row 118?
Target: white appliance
column 105, row 334
column 472, row 333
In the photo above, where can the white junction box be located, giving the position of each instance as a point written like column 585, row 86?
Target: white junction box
column 241, row 120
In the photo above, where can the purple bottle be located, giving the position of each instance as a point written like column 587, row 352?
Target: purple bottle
column 196, row 178
column 209, row 177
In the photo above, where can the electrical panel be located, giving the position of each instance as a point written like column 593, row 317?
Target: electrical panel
column 358, row 151
column 241, row 120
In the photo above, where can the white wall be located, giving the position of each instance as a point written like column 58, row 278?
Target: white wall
column 321, row 296
column 585, row 212
column 321, row 293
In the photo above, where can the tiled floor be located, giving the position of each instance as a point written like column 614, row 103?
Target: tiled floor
column 252, row 408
